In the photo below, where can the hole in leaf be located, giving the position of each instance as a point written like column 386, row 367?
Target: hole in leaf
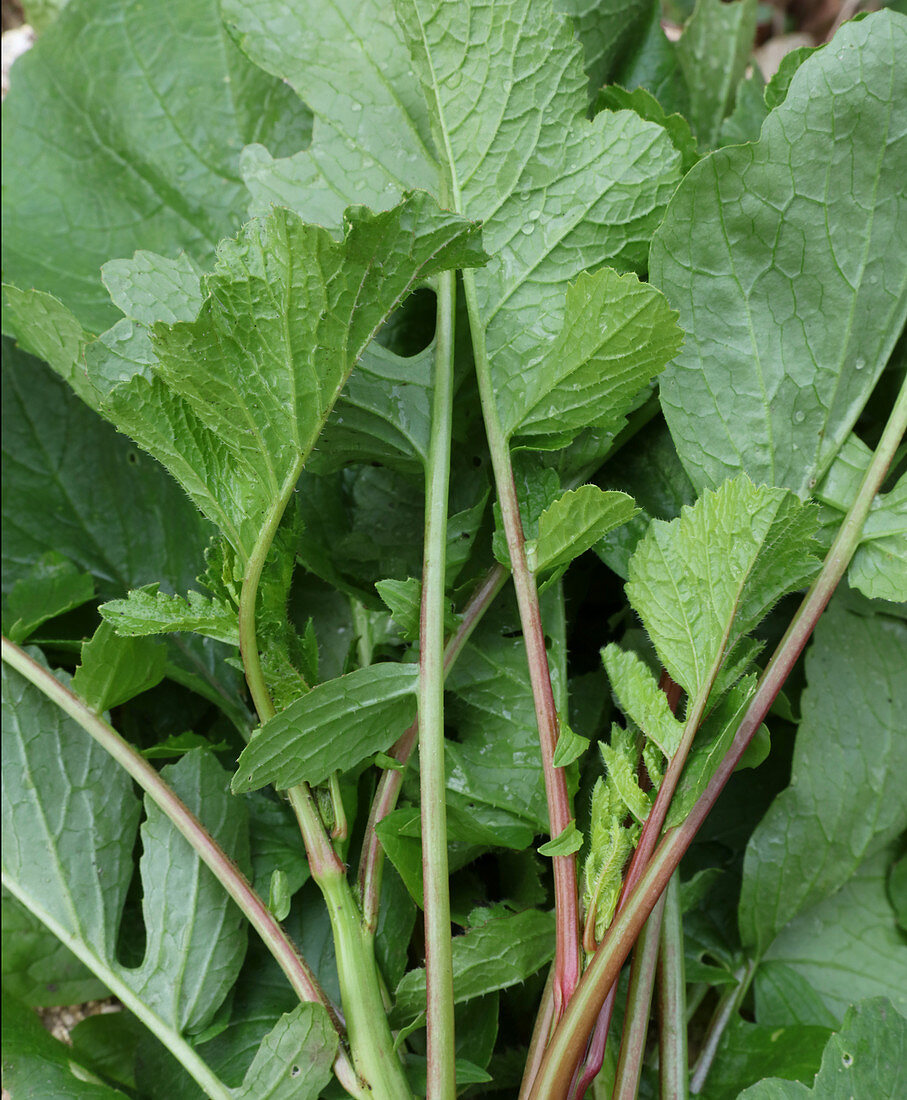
column 847, row 1060
column 411, row 328
column 295, row 1071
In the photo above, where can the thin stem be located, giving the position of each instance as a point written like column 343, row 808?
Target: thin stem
column 569, row 1039
column 371, row 1041
column 727, row 1009
column 248, row 597
column 639, row 1005
column 371, row 861
column 183, row 1051
column 224, row 869
column 544, row 1021
column 567, row 949
column 441, row 1077
column 672, row 1008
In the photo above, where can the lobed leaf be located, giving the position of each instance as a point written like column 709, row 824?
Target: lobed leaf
column 147, row 611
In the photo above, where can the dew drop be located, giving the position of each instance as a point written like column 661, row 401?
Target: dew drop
column 859, row 364
column 799, row 417
column 453, row 81
column 525, row 195
column 357, row 107
column 534, row 215
column 527, row 229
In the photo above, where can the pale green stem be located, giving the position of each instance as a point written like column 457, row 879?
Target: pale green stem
column 441, row 1080
column 371, row 861
column 222, row 867
column 569, row 1040
column 672, row 1008
column 727, row 1009
column 567, row 965
column 639, row 1002
column 183, row 1051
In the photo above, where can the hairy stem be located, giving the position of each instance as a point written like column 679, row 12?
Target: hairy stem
column 560, row 814
column 371, row 861
column 441, row 1077
column 727, row 1008
column 568, row 1042
column 219, row 863
column 672, row 1008
column 639, row 1006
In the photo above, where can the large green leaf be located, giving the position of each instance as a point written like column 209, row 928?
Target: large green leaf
column 867, row 1058
column 701, row 583
column 605, row 28
column 233, row 401
column 784, row 258
column 70, row 815
column 114, row 670
column 846, row 796
column 556, row 193
column 72, row 485
column 503, row 950
column 123, row 130
column 333, row 727
column 748, row 1052
column 850, row 945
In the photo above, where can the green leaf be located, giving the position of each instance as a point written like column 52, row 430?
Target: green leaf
column 866, row 1058
column 570, row 746
column 35, row 1064
column 748, row 1052
column 701, row 583
column 106, row 153
column 195, row 935
column 177, row 744
column 147, row 611
column 496, row 954
column 404, row 600
column 114, row 670
column 282, row 368
column 593, row 201
column 641, row 699
column 712, row 742
column 605, row 29
column 784, row 998
column 617, row 334
column 37, row 968
column 495, row 759
column 51, row 587
column 151, row 288
column 404, row 851
column 505, row 94
column 294, row 1059
column 713, row 53
column 845, row 798
column 879, row 567
column 850, row 945
column 574, row 522
column 279, row 894
column 783, row 257
column 72, row 485
column 567, row 842
column 641, row 100
column 744, row 123
column 333, row 727
column 73, row 826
